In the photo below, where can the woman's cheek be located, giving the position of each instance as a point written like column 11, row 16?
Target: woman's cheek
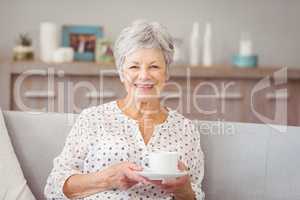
column 161, row 86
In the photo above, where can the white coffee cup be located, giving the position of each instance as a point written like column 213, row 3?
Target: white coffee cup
column 163, row 162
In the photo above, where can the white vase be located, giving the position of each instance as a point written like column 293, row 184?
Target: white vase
column 48, row 41
column 207, row 54
column 195, row 45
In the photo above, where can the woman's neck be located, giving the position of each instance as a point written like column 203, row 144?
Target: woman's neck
column 150, row 109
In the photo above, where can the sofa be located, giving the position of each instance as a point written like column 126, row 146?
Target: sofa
column 242, row 161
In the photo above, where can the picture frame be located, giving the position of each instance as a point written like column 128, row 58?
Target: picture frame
column 104, row 51
column 82, row 39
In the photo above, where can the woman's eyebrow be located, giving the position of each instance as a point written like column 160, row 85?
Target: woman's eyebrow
column 152, row 62
column 137, row 63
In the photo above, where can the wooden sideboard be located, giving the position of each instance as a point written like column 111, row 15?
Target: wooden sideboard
column 261, row 95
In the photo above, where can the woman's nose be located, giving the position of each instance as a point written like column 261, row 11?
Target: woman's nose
column 143, row 74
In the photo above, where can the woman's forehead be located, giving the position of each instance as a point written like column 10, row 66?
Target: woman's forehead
column 148, row 56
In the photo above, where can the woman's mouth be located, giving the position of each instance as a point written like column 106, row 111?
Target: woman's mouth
column 144, row 86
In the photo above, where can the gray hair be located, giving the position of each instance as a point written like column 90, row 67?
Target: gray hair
column 143, row 34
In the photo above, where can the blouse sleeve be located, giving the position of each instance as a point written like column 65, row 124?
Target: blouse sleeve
column 197, row 165
column 71, row 159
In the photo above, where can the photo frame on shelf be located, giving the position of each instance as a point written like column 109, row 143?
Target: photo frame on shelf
column 104, row 51
column 82, row 39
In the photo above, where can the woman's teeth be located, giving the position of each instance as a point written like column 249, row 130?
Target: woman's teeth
column 144, row 85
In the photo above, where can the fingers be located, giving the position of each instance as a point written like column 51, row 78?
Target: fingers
column 133, row 176
column 174, row 183
column 181, row 166
column 129, row 179
column 127, row 183
column 171, row 184
column 125, row 175
column 168, row 185
column 135, row 167
column 156, row 182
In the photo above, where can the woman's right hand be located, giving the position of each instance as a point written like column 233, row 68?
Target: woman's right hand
column 123, row 175
column 118, row 176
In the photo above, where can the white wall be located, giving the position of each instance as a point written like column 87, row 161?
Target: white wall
column 274, row 24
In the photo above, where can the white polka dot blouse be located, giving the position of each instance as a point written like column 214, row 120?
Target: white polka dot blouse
column 103, row 136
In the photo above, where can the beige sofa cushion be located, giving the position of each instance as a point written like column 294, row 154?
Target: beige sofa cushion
column 12, row 182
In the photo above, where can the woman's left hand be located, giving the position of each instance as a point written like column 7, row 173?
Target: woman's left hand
column 180, row 187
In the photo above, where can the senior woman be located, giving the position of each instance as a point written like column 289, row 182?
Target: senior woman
column 107, row 146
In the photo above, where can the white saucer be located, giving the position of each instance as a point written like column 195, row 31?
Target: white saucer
column 161, row 176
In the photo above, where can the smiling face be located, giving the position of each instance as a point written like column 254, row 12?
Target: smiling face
column 144, row 74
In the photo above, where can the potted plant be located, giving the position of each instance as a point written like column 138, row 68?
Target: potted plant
column 23, row 50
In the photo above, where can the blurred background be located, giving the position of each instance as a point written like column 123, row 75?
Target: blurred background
column 273, row 24
column 263, row 35
column 235, row 61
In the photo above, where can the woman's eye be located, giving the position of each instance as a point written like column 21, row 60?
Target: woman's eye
column 154, row 66
column 133, row 67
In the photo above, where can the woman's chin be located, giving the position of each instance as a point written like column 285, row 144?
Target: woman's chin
column 146, row 97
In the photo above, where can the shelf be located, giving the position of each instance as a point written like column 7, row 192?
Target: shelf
column 177, row 71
